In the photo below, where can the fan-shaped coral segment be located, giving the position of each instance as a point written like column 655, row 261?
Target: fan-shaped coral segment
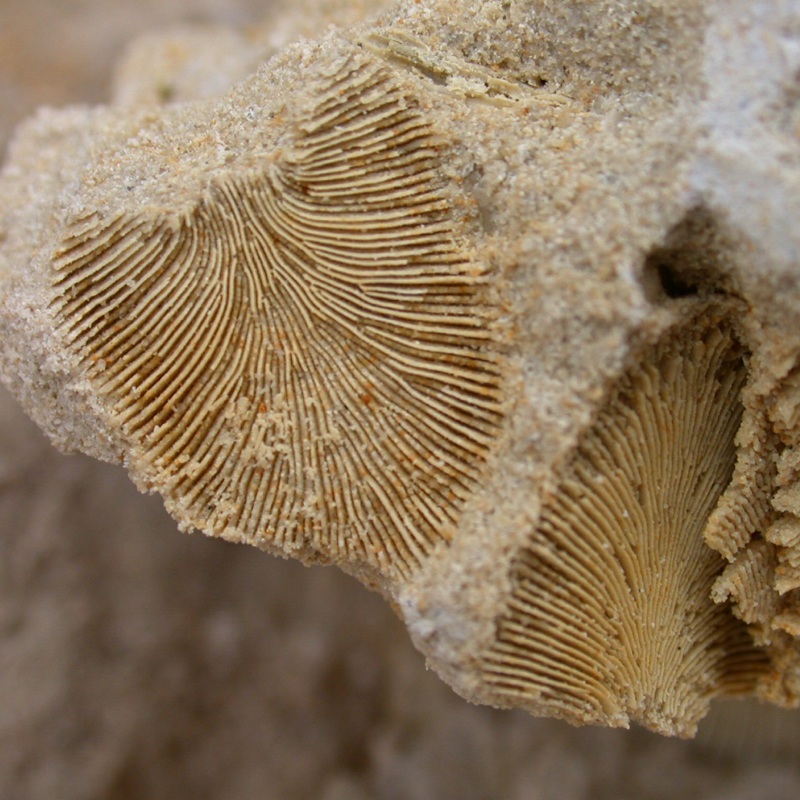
column 785, row 531
column 757, row 528
column 610, row 616
column 305, row 359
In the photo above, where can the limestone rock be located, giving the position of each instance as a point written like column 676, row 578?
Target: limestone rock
column 492, row 305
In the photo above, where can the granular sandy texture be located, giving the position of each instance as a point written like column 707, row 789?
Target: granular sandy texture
column 140, row 663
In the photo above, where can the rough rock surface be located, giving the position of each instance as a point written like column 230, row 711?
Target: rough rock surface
column 99, row 618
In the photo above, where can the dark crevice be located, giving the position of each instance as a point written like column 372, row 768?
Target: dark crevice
column 672, row 282
column 692, row 259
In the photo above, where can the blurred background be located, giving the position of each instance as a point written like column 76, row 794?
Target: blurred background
column 139, row 662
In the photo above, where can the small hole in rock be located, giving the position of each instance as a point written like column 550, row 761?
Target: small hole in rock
column 690, row 261
column 672, row 282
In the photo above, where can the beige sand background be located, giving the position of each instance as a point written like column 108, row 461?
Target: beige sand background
column 137, row 662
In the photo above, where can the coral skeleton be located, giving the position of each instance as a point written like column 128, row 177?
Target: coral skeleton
column 468, row 303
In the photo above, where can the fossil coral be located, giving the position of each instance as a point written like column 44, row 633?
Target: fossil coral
column 449, row 300
column 609, row 607
column 304, row 356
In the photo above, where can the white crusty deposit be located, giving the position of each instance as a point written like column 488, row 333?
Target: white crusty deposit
column 465, row 300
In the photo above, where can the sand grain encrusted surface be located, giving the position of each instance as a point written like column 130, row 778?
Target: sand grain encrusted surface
column 141, row 663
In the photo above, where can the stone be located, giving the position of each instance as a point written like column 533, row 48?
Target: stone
column 583, row 223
